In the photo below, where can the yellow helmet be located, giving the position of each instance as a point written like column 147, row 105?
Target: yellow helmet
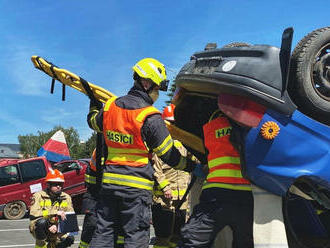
column 152, row 69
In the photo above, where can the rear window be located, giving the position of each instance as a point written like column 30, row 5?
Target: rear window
column 9, row 175
column 32, row 170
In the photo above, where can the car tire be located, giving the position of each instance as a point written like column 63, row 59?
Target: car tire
column 309, row 80
column 14, row 210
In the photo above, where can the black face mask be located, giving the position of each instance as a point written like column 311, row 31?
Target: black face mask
column 55, row 194
column 154, row 94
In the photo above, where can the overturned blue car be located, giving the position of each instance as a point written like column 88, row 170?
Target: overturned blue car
column 280, row 104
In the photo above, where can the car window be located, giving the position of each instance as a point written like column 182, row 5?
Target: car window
column 67, row 166
column 61, row 167
column 8, row 175
column 74, row 166
column 32, row 170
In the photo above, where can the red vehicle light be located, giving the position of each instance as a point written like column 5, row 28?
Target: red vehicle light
column 241, row 109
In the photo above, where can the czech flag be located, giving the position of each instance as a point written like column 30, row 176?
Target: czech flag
column 55, row 149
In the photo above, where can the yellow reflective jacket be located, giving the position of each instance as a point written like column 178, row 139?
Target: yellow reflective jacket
column 43, row 207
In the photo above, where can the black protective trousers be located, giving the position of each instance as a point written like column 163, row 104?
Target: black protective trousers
column 167, row 223
column 89, row 225
column 217, row 209
column 131, row 215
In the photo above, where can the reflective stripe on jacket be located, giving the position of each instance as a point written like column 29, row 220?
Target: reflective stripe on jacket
column 90, row 175
column 223, row 158
column 127, row 180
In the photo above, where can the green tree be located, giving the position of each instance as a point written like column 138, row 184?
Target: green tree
column 91, row 143
column 170, row 93
column 86, row 148
column 29, row 145
column 172, row 87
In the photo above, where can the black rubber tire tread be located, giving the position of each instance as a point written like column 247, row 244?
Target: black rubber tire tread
column 22, row 213
column 292, row 86
column 300, row 87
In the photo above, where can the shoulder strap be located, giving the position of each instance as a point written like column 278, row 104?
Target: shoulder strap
column 146, row 112
column 108, row 103
column 215, row 114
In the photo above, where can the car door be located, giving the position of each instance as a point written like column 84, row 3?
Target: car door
column 33, row 173
column 9, row 182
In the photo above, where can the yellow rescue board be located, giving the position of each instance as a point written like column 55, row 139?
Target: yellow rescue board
column 74, row 81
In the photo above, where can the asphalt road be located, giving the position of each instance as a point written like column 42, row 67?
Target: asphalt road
column 15, row 233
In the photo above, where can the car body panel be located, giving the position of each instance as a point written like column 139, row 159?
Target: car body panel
column 255, row 72
column 307, row 152
column 298, row 156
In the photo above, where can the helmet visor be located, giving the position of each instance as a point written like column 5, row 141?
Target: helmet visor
column 163, row 86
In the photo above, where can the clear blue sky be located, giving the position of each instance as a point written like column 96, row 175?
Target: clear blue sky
column 101, row 40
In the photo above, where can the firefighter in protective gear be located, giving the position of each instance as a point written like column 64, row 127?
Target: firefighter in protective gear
column 90, row 200
column 132, row 129
column 169, row 188
column 46, row 207
column 226, row 197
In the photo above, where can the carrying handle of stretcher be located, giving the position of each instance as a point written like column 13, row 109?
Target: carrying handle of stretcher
column 70, row 79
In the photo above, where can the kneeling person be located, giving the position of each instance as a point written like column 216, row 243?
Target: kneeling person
column 47, row 206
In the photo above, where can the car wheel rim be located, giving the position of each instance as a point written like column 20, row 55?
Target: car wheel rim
column 15, row 209
column 320, row 75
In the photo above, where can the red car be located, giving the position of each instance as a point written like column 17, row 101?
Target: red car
column 20, row 178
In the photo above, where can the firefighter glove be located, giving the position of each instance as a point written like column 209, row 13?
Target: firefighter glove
column 95, row 105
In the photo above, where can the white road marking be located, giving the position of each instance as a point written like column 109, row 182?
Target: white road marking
column 79, row 217
column 9, row 230
column 4, row 220
column 7, row 246
column 25, row 229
